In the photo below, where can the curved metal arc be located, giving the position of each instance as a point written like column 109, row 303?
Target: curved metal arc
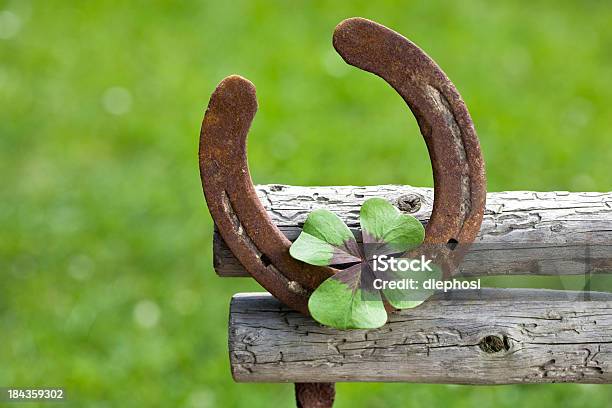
column 446, row 126
column 233, row 203
column 445, row 123
column 457, row 164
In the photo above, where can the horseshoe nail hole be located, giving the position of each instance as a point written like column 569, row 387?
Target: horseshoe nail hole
column 265, row 260
column 452, row 244
column 494, row 344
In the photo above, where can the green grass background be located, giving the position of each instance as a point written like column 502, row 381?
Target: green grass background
column 103, row 225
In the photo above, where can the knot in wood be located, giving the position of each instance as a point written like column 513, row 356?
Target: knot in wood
column 494, row 344
column 409, row 202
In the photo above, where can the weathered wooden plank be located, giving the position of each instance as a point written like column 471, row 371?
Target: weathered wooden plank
column 495, row 336
column 523, row 232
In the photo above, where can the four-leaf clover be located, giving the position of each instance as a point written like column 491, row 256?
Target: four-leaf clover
column 348, row 300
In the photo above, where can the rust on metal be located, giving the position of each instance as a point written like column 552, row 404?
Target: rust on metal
column 446, row 126
column 444, row 121
column 315, row 395
column 233, row 203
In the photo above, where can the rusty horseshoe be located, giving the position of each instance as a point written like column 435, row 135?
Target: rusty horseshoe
column 444, row 121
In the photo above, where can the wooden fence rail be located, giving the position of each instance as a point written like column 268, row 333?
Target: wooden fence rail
column 493, row 336
column 489, row 336
column 523, row 232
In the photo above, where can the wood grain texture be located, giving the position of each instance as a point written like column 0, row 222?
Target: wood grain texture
column 523, row 232
column 494, row 336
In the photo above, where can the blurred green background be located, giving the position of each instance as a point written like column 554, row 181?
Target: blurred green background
column 106, row 279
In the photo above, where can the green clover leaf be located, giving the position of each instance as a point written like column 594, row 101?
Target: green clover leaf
column 397, row 297
column 325, row 240
column 347, row 300
column 341, row 303
column 386, row 231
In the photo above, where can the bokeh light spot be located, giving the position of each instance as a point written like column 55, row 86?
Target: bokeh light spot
column 117, row 100
column 146, row 314
column 10, row 24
